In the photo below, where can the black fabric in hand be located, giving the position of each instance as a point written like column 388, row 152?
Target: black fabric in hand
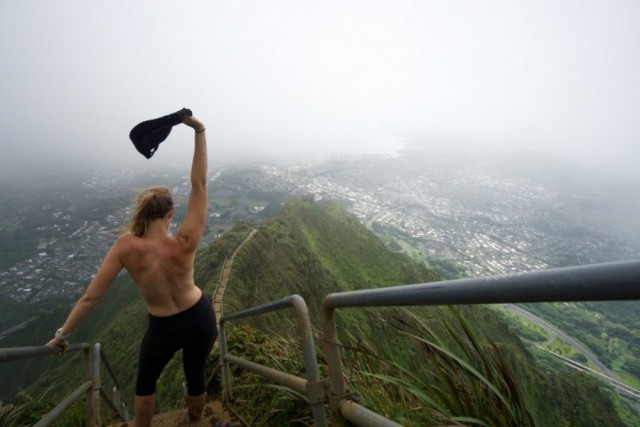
column 147, row 135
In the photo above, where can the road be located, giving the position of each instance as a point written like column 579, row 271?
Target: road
column 557, row 332
column 623, row 389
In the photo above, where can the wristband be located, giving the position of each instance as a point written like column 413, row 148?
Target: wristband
column 60, row 336
column 201, row 130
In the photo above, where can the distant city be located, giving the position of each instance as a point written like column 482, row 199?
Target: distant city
column 487, row 221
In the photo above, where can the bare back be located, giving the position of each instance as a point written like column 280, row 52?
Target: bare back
column 163, row 270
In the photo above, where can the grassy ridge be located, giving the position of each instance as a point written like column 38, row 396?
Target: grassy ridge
column 313, row 250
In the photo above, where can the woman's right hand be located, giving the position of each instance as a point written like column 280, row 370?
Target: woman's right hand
column 193, row 122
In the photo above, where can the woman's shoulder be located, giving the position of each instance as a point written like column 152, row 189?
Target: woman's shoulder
column 127, row 239
column 127, row 245
column 127, row 235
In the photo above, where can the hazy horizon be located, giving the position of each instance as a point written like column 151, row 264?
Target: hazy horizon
column 294, row 79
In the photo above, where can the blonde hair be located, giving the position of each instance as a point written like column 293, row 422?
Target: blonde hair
column 151, row 204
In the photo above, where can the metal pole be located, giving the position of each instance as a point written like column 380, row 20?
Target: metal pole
column 226, row 370
column 361, row 416
column 97, row 385
column 310, row 360
column 16, row 353
column 56, row 412
column 88, row 398
column 616, row 281
column 110, row 370
column 331, row 348
column 273, row 375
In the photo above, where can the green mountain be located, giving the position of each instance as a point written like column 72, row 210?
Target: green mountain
column 419, row 366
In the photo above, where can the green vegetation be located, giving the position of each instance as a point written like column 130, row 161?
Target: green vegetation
column 562, row 348
column 421, row 366
column 398, row 241
column 523, row 327
column 609, row 330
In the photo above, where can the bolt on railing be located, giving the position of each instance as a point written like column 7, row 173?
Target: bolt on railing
column 312, row 387
column 91, row 387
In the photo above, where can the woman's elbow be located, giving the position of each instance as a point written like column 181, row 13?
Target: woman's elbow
column 199, row 183
column 89, row 301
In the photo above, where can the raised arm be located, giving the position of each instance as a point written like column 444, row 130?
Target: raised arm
column 190, row 232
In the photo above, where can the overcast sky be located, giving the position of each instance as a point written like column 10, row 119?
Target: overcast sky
column 272, row 78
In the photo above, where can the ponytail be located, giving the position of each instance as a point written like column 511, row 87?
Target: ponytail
column 152, row 203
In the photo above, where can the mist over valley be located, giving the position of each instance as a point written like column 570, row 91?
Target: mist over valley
column 490, row 215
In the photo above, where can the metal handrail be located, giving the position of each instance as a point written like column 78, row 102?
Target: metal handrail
column 91, row 388
column 311, row 386
column 617, row 281
column 16, row 353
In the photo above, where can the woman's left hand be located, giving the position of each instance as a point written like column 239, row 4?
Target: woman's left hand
column 63, row 344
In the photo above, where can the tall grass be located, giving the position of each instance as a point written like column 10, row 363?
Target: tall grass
column 448, row 376
column 24, row 409
column 417, row 374
column 258, row 401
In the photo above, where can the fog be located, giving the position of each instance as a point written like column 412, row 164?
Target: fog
column 298, row 79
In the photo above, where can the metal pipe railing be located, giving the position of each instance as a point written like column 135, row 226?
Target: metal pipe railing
column 599, row 282
column 91, row 387
column 16, row 353
column 110, row 370
column 311, row 386
column 291, row 381
column 56, row 412
column 361, row 416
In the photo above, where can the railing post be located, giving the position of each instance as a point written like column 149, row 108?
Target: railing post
column 226, row 370
column 331, row 348
column 89, row 394
column 97, row 385
column 315, row 388
column 123, row 412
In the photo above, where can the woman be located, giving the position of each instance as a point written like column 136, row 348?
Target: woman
column 180, row 317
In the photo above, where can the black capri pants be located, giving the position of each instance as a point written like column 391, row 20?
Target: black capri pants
column 193, row 330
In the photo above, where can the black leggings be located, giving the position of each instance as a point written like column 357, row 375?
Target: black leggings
column 193, row 330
